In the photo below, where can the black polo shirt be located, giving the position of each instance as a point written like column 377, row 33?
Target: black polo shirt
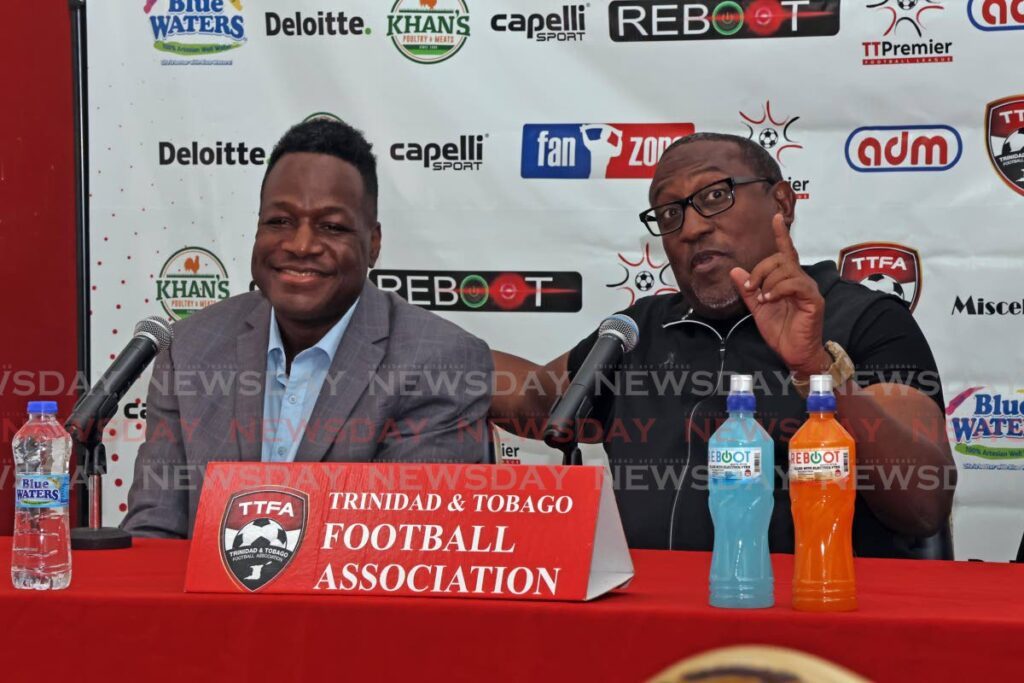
column 660, row 405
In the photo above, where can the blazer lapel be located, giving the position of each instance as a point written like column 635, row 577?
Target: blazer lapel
column 252, row 355
column 358, row 356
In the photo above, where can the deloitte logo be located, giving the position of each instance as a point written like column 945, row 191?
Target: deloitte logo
column 428, row 31
column 191, row 279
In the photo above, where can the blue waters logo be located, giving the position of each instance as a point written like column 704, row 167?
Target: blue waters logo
column 196, row 27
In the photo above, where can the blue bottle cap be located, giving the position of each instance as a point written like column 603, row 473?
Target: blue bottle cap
column 44, row 407
column 741, row 394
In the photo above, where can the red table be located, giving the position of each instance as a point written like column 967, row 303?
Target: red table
column 125, row 617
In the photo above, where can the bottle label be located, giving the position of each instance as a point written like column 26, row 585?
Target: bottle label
column 734, row 463
column 35, row 491
column 819, row 463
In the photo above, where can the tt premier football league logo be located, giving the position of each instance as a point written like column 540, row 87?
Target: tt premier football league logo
column 261, row 532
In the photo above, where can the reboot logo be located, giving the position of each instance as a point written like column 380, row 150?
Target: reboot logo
column 654, row 20
column 191, row 279
column 465, row 155
column 428, row 31
column 642, row 277
column 996, row 15
column 776, row 137
column 261, row 533
column 903, row 28
column 568, row 25
column 986, row 425
column 1004, row 123
column 874, row 149
column 196, row 27
column 596, row 150
column 884, row 267
column 488, row 291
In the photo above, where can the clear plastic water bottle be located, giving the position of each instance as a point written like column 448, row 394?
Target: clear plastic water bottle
column 41, row 556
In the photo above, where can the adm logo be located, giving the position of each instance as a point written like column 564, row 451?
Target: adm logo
column 877, row 149
column 776, row 137
column 884, row 267
column 996, row 15
column 596, row 150
column 428, row 31
column 988, row 425
column 196, row 28
column 191, row 279
column 261, row 532
column 485, row 291
column 654, row 20
column 1004, row 123
column 904, row 21
column 643, row 277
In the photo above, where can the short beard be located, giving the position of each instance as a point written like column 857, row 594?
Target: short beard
column 717, row 302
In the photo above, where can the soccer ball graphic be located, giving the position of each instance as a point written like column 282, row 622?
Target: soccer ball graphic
column 644, row 280
column 907, row 5
column 880, row 282
column 1014, row 142
column 768, row 138
column 261, row 533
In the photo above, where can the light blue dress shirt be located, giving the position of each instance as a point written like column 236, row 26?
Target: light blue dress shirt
column 290, row 396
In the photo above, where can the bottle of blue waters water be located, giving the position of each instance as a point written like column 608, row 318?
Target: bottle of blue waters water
column 41, row 555
column 741, row 464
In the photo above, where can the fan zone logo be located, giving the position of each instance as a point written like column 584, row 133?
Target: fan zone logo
column 776, row 136
column 1004, row 122
column 884, row 267
column 904, row 21
column 191, row 279
column 880, row 149
column 655, row 20
column 596, row 150
column 196, row 28
column 261, row 532
column 643, row 277
column 485, row 291
column 428, row 31
column 987, row 425
column 996, row 15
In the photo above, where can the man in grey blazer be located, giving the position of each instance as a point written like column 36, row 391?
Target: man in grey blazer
column 319, row 364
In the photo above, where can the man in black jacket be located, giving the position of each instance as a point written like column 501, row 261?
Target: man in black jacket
column 747, row 306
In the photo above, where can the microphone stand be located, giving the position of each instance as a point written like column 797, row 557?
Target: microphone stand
column 91, row 456
column 563, row 436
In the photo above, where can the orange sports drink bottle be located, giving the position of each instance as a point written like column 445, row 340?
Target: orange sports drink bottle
column 822, row 489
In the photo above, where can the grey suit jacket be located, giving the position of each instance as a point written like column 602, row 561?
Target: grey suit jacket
column 405, row 385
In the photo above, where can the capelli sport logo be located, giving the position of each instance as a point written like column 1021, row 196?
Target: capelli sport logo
column 464, row 154
column 485, row 291
column 261, row 532
column 196, row 28
column 655, row 20
column 567, row 24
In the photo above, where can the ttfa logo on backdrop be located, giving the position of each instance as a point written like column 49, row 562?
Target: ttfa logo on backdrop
column 428, row 31
column 466, row 154
column 884, row 267
column 904, row 23
column 196, row 28
column 996, row 15
column 485, row 291
column 776, row 135
column 643, row 277
column 567, row 25
column 261, row 532
column 191, row 279
column 1004, row 126
column 873, row 149
column 596, row 150
column 655, row 20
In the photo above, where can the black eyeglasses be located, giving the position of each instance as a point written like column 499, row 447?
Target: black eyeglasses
column 708, row 201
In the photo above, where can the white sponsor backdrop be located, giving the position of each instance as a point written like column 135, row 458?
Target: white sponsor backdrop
column 964, row 221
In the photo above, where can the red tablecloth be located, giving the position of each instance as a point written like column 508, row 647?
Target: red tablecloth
column 125, row 617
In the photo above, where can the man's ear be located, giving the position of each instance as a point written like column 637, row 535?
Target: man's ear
column 374, row 244
column 785, row 201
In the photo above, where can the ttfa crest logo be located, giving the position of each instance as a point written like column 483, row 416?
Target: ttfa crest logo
column 905, row 21
column 884, row 267
column 1004, row 125
column 261, row 533
column 643, row 277
column 776, row 136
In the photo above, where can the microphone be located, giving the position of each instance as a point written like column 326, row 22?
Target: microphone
column 617, row 335
column 99, row 404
